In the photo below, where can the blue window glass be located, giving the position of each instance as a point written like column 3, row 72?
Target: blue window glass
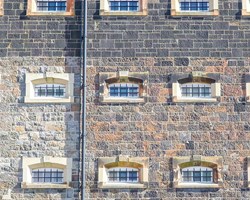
column 133, row 176
column 124, row 5
column 196, row 90
column 114, row 6
column 47, row 175
column 199, row 5
column 114, row 92
column 124, row 90
column 194, row 6
column 129, row 5
column 49, row 5
column 204, row 6
column 123, row 175
column 197, row 174
column 61, row 6
column 52, row 6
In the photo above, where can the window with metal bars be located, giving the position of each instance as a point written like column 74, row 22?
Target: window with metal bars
column 51, row 5
column 124, row 90
column 124, row 5
column 50, row 90
column 123, row 175
column 47, row 175
column 194, row 5
column 197, row 174
column 196, row 90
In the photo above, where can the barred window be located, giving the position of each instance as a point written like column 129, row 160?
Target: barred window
column 194, row 5
column 47, row 175
column 124, row 90
column 196, row 90
column 197, row 174
column 50, row 90
column 123, row 175
column 51, row 5
column 124, row 5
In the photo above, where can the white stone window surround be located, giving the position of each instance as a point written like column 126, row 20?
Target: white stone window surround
column 1, row 8
column 108, row 163
column 123, row 77
column 245, row 8
column 105, row 9
column 215, row 90
column 29, row 164
column 248, row 171
column 213, row 162
column 213, row 9
column 34, row 79
column 248, row 92
column 32, row 9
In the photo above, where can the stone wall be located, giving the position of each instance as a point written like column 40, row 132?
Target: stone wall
column 160, row 129
column 37, row 45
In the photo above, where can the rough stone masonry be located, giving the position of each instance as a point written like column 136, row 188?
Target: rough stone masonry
column 160, row 129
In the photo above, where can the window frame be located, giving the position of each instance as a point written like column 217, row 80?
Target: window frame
column 32, row 9
column 198, row 87
column 47, row 173
column 106, row 11
column 105, row 164
column 117, row 171
column 34, row 79
column 46, row 87
column 29, row 164
column 196, row 161
column 196, row 79
column 123, row 77
column 213, row 9
column 197, row 3
column 125, row 86
column 192, row 171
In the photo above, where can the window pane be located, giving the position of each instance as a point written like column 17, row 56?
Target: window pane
column 194, row 5
column 123, row 90
column 133, row 176
column 197, row 174
column 196, row 90
column 125, row 5
column 51, row 5
column 47, row 175
column 50, row 90
column 123, row 175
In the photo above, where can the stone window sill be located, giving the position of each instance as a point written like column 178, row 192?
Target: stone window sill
column 193, row 100
column 194, row 14
column 49, row 100
column 123, row 100
column 43, row 186
column 56, row 14
column 109, row 13
column 197, row 185
column 122, row 186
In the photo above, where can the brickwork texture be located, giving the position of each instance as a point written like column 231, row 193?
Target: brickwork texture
column 160, row 129
column 36, row 45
